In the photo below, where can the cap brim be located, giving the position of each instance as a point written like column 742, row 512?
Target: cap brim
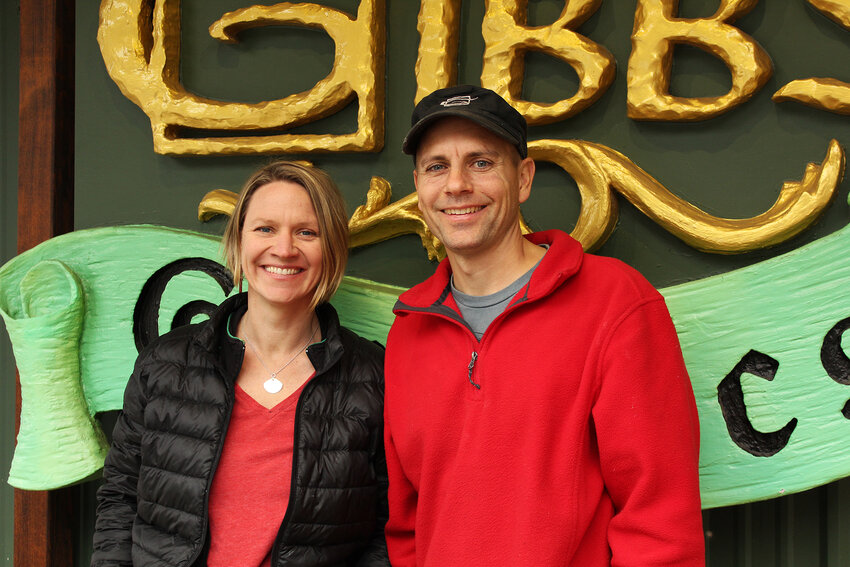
column 411, row 141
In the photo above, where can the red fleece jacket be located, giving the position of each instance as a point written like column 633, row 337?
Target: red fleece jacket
column 578, row 446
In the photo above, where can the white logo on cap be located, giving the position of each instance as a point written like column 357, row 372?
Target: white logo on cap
column 464, row 100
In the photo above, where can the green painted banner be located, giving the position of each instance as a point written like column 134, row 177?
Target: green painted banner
column 765, row 351
column 763, row 345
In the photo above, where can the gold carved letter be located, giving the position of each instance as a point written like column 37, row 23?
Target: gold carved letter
column 140, row 44
column 655, row 35
column 436, row 62
column 823, row 93
column 507, row 38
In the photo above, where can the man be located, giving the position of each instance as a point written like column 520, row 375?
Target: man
column 538, row 411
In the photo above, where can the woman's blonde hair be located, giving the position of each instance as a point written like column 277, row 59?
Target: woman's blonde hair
column 330, row 211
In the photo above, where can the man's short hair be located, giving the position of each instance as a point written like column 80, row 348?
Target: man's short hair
column 480, row 105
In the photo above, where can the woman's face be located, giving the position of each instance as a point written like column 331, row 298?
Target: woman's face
column 281, row 249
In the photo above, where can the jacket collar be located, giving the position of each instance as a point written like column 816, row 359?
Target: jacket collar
column 562, row 261
column 213, row 333
column 326, row 353
column 213, row 336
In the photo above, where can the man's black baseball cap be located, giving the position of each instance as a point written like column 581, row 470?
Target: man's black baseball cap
column 482, row 106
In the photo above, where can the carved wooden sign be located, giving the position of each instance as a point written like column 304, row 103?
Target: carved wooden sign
column 763, row 344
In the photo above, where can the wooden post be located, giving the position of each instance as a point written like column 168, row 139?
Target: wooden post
column 44, row 520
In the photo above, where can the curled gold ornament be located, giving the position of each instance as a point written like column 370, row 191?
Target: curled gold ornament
column 598, row 169
column 507, row 39
column 823, row 93
column 836, row 10
column 217, row 202
column 140, row 44
column 656, row 33
column 827, row 94
column 379, row 220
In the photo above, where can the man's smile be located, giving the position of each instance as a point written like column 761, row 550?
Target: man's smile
column 463, row 210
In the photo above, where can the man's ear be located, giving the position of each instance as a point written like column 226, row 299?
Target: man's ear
column 526, row 176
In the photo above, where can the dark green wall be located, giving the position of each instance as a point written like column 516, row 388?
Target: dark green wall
column 732, row 166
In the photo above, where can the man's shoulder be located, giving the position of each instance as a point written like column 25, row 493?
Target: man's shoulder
column 613, row 268
column 616, row 277
column 601, row 273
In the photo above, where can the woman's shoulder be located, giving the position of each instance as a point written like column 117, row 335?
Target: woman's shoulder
column 361, row 344
column 174, row 344
column 363, row 358
column 204, row 334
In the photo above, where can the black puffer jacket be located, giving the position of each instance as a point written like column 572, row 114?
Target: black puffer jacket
column 152, row 508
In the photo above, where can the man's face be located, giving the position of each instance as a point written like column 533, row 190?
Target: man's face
column 470, row 184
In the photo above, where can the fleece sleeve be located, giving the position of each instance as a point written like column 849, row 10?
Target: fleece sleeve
column 648, row 436
column 402, row 496
column 403, row 500
column 117, row 503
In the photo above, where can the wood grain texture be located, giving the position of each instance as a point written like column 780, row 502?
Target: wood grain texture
column 44, row 520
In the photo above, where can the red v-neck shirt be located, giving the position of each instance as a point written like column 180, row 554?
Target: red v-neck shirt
column 250, row 489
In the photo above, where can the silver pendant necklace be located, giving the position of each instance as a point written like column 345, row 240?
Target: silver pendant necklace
column 273, row 385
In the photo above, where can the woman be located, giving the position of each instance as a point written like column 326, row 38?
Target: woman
column 255, row 437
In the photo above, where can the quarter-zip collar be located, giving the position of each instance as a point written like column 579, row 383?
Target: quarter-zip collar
column 562, row 261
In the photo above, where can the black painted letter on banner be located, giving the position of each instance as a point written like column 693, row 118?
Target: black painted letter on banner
column 730, row 394
column 834, row 360
column 832, row 356
column 146, row 313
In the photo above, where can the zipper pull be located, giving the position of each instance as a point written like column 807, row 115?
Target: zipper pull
column 469, row 369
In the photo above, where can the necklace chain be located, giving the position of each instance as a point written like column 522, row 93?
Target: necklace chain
column 273, row 375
